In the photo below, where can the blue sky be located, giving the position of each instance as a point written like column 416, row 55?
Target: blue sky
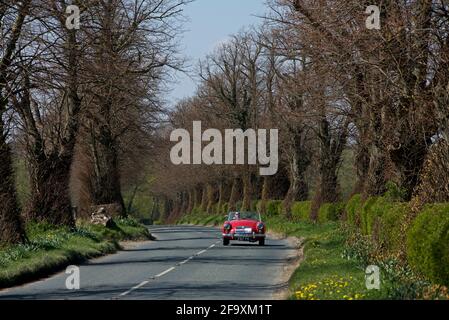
column 210, row 22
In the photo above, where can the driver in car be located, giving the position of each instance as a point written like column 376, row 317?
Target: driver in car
column 237, row 216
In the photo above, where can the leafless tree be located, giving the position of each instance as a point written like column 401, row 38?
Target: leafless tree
column 13, row 18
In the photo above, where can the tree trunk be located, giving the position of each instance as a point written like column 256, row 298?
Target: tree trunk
column 11, row 228
column 299, row 161
column 198, row 196
column 131, row 199
column 191, row 203
column 376, row 178
column 155, row 210
column 265, row 194
column 211, row 198
column 167, row 209
column 106, row 178
column 362, row 163
column 50, row 192
column 223, row 194
column 409, row 160
column 331, row 149
column 235, row 194
column 204, row 199
column 247, row 191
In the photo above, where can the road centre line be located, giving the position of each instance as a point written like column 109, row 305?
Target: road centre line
column 144, row 283
column 164, row 272
column 135, row 288
column 185, row 261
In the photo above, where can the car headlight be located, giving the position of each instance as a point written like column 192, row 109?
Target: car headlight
column 227, row 226
column 260, row 226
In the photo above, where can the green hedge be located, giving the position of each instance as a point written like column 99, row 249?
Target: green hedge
column 259, row 206
column 428, row 243
column 225, row 208
column 330, row 212
column 301, row 211
column 390, row 231
column 197, row 211
column 274, row 207
column 378, row 217
column 364, row 213
column 353, row 208
column 254, row 205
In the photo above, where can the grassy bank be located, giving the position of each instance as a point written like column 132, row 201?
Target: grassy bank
column 326, row 273
column 50, row 249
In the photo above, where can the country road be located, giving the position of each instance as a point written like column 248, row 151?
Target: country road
column 185, row 262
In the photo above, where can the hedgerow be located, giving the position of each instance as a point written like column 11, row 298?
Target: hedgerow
column 428, row 243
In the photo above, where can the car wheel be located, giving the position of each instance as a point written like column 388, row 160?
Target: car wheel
column 261, row 242
column 225, row 242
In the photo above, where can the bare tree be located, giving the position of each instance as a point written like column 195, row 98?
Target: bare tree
column 12, row 21
column 49, row 105
column 132, row 48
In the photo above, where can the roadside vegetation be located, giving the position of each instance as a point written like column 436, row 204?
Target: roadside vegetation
column 49, row 249
column 350, row 237
column 363, row 152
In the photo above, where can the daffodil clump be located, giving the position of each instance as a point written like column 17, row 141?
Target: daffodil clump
column 334, row 288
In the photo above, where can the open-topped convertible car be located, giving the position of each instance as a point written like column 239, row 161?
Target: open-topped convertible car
column 244, row 226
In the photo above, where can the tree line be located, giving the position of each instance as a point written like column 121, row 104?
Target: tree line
column 333, row 87
column 85, row 108
column 80, row 105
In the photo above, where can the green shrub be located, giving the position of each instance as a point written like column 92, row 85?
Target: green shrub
column 274, row 207
column 428, row 243
column 330, row 212
column 365, row 212
column 390, row 236
column 212, row 220
column 382, row 219
column 301, row 211
column 279, row 207
column 259, row 206
column 254, row 205
column 129, row 222
column 353, row 208
column 224, row 208
column 394, row 192
column 213, row 209
column 373, row 210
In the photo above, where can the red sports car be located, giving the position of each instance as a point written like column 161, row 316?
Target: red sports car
column 244, row 226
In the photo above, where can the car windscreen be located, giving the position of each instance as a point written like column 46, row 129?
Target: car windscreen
column 244, row 216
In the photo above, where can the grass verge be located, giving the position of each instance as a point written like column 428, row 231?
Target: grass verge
column 49, row 249
column 325, row 273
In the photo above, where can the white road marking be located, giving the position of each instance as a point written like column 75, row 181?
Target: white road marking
column 144, row 283
column 185, row 261
column 135, row 288
column 201, row 252
column 165, row 272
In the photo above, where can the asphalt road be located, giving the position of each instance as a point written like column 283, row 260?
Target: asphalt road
column 188, row 263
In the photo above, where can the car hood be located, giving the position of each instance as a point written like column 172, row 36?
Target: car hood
column 244, row 223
